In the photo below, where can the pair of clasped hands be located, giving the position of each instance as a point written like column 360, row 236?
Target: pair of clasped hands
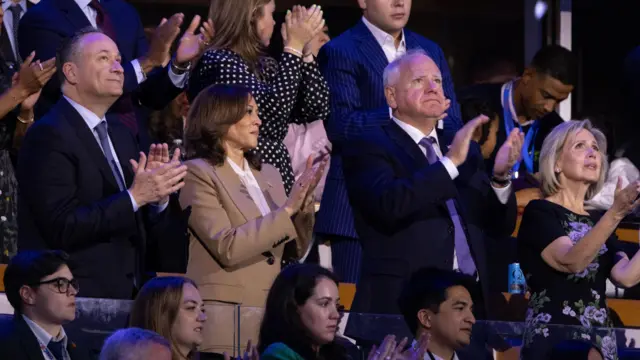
column 157, row 176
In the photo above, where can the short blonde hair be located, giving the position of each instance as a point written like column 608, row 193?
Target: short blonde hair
column 552, row 149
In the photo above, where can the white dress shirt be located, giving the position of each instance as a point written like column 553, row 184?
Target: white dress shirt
column 387, row 42
column 253, row 188
column 92, row 120
column 44, row 338
column 8, row 20
column 417, row 135
column 178, row 80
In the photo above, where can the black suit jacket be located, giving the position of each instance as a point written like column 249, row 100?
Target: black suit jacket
column 401, row 217
column 17, row 341
column 5, row 44
column 69, row 200
column 47, row 24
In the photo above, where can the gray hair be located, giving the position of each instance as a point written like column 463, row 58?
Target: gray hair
column 552, row 149
column 392, row 71
column 131, row 344
column 68, row 50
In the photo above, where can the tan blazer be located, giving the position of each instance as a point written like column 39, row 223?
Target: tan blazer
column 231, row 242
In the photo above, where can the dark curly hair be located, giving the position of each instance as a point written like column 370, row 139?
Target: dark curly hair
column 211, row 115
column 281, row 322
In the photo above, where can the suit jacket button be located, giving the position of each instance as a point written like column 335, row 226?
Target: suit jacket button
column 450, row 229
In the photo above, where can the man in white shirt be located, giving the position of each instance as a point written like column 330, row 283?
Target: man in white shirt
column 83, row 190
column 439, row 303
column 42, row 290
column 352, row 64
column 421, row 197
column 149, row 84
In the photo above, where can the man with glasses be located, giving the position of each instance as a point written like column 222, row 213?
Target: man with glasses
column 40, row 287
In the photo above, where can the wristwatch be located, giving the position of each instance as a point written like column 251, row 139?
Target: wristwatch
column 178, row 70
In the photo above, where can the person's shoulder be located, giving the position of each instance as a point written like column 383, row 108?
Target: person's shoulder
column 280, row 351
column 43, row 12
column 541, row 205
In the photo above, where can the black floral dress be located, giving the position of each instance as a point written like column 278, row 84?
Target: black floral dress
column 283, row 90
column 8, row 182
column 559, row 298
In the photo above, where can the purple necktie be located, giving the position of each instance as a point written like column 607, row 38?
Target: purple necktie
column 466, row 264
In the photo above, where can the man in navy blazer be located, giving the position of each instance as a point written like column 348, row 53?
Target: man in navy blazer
column 421, row 197
column 47, row 24
column 352, row 64
column 81, row 190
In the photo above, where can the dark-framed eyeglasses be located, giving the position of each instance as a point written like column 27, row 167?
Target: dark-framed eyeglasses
column 62, row 284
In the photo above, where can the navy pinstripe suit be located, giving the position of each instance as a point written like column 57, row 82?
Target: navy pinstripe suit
column 353, row 64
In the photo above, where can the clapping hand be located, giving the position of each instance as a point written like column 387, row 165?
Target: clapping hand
column 509, row 153
column 160, row 45
column 625, row 200
column 390, row 350
column 157, row 177
column 460, row 146
column 34, row 75
column 251, row 353
column 302, row 193
column 301, row 26
column 192, row 45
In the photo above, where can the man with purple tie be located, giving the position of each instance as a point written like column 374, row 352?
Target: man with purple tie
column 352, row 64
column 421, row 197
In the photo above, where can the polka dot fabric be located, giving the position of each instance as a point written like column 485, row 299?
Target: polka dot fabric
column 289, row 90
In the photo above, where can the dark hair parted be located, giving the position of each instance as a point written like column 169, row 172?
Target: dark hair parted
column 235, row 24
column 29, row 268
column 427, row 289
column 557, row 62
column 281, row 322
column 211, row 115
column 68, row 50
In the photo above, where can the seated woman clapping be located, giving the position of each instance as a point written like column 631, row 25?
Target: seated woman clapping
column 240, row 216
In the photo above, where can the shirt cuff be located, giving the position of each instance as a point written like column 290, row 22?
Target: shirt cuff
column 157, row 209
column 133, row 202
column 451, row 168
column 178, row 81
column 140, row 76
column 502, row 193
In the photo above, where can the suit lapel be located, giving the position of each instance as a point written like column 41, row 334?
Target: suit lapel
column 237, row 191
column 406, row 143
column 370, row 49
column 88, row 140
column 74, row 14
column 28, row 339
column 5, row 46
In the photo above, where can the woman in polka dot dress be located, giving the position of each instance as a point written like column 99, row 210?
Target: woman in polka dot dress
column 290, row 88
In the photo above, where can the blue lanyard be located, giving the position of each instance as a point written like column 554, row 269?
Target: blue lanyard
column 528, row 152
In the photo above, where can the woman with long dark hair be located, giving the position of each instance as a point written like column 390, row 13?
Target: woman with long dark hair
column 301, row 316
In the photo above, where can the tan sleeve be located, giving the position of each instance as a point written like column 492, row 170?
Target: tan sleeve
column 209, row 220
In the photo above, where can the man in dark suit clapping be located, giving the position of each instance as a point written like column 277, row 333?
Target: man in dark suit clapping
column 80, row 190
column 421, row 198
column 352, row 64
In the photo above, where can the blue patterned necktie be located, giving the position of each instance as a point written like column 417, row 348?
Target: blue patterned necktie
column 463, row 254
column 56, row 348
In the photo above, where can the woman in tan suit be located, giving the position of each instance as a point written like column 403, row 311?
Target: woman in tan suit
column 240, row 215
